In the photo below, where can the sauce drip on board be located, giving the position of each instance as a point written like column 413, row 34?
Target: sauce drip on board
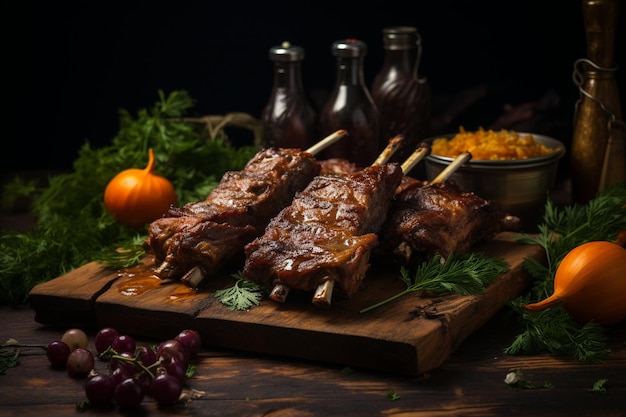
column 139, row 279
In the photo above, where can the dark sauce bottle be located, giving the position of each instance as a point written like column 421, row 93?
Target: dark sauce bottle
column 350, row 106
column 401, row 95
column 288, row 118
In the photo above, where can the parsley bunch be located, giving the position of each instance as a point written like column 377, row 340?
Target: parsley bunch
column 73, row 226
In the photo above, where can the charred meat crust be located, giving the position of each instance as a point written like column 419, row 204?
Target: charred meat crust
column 327, row 232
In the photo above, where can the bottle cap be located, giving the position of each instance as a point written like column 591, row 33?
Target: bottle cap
column 286, row 52
column 349, row 48
column 400, row 37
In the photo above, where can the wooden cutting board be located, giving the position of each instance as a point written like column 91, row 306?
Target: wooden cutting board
column 411, row 335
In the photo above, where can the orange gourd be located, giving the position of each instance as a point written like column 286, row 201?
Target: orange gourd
column 590, row 284
column 136, row 197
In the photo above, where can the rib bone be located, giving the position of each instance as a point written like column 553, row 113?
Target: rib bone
column 452, row 167
column 324, row 294
column 327, row 141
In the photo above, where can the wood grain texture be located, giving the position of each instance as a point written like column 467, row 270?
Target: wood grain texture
column 411, row 335
column 242, row 384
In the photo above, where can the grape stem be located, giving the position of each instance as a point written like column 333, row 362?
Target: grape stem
column 135, row 361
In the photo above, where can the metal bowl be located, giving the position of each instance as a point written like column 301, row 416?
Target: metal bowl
column 521, row 186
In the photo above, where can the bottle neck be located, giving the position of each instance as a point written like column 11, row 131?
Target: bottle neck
column 287, row 75
column 401, row 60
column 350, row 71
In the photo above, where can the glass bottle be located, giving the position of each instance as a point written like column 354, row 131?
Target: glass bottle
column 402, row 97
column 288, row 119
column 350, row 106
column 597, row 156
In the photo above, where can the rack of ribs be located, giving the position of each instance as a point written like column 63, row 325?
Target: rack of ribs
column 324, row 238
column 194, row 241
column 438, row 218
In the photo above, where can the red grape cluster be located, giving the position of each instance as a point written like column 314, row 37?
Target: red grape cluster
column 134, row 371
column 71, row 352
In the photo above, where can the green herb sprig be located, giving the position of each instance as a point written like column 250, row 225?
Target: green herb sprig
column 466, row 274
column 243, row 295
column 599, row 387
column 553, row 331
column 11, row 351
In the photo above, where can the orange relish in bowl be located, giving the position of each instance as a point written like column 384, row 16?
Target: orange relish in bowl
column 490, row 145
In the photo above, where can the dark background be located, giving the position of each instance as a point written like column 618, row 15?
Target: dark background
column 69, row 66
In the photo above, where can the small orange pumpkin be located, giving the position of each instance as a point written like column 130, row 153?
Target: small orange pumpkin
column 590, row 283
column 136, row 197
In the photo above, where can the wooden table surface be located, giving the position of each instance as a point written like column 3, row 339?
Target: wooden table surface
column 470, row 383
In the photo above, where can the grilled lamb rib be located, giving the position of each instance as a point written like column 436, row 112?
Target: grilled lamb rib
column 327, row 233
column 204, row 235
column 438, row 219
